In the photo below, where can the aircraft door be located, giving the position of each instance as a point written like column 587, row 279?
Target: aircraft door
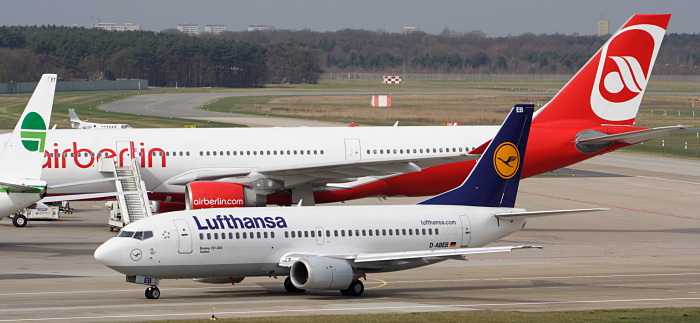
column 319, row 236
column 124, row 153
column 352, row 149
column 184, row 238
column 466, row 230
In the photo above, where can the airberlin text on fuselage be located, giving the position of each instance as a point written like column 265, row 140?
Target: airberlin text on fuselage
column 232, row 222
column 84, row 157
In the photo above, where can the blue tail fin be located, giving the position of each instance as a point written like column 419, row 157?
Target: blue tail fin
column 494, row 180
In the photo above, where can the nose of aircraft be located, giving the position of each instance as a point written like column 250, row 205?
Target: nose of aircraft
column 109, row 253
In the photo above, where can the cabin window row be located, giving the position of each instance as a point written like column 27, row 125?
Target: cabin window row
column 417, row 150
column 262, row 152
column 237, row 235
column 361, row 233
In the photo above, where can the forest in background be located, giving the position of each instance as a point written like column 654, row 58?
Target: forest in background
column 252, row 59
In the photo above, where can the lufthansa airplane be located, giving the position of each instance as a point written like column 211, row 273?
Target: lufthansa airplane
column 592, row 114
column 332, row 247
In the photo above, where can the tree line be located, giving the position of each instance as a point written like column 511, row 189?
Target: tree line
column 252, row 59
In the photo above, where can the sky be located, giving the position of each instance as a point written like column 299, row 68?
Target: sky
column 494, row 17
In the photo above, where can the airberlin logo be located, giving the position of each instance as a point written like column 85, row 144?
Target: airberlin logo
column 506, row 160
column 629, row 76
column 624, row 66
column 33, row 132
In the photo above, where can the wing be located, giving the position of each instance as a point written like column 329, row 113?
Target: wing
column 288, row 259
column 326, row 172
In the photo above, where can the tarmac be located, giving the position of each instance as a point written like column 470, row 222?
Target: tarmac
column 642, row 253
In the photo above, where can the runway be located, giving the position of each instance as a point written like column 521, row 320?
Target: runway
column 642, row 253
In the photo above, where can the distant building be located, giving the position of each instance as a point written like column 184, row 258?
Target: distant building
column 190, row 29
column 110, row 26
column 409, row 30
column 214, row 29
column 603, row 27
column 260, row 28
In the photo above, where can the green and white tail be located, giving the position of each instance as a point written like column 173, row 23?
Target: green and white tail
column 23, row 154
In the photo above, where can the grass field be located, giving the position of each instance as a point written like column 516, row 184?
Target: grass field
column 481, row 108
column 660, row 315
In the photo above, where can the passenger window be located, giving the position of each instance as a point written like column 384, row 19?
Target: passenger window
column 430, row 231
column 436, row 231
column 306, row 234
column 328, row 233
column 216, row 236
column 335, row 232
column 258, row 235
column 272, row 235
column 349, row 233
column 423, row 231
column 201, row 236
column 244, row 236
column 342, row 233
column 265, row 234
column 384, row 232
column 230, row 235
column 208, row 236
column 238, row 235
column 293, row 234
column 364, row 233
column 403, row 231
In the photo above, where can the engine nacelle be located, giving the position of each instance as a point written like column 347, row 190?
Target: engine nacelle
column 11, row 203
column 207, row 195
column 321, row 273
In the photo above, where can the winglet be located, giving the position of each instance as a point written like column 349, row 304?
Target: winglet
column 495, row 178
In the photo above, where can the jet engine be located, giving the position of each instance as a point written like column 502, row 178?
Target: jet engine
column 207, row 195
column 321, row 273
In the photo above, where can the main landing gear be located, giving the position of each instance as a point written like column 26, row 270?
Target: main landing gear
column 356, row 288
column 152, row 292
column 290, row 288
column 19, row 220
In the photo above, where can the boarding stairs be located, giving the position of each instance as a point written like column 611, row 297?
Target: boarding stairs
column 129, row 207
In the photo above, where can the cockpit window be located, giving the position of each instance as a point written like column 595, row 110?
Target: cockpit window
column 139, row 235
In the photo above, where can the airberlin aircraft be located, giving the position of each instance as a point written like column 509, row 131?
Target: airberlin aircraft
column 331, row 247
column 593, row 114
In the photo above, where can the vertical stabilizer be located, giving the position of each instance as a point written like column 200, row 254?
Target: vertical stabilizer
column 609, row 88
column 73, row 116
column 494, row 180
column 23, row 153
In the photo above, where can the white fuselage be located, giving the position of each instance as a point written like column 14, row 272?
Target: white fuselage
column 253, row 241
column 165, row 154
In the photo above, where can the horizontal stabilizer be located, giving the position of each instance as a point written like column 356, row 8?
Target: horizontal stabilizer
column 26, row 185
column 517, row 215
column 77, row 197
column 632, row 137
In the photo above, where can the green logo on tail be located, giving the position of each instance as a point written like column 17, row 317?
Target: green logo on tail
column 33, row 132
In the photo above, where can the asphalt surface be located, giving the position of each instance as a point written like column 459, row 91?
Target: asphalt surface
column 642, row 253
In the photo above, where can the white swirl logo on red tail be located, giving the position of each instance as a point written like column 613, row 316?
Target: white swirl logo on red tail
column 623, row 71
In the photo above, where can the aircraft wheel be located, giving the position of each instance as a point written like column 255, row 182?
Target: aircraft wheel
column 19, row 220
column 356, row 288
column 290, row 288
column 152, row 292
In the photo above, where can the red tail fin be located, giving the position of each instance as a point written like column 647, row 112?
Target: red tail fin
column 610, row 86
